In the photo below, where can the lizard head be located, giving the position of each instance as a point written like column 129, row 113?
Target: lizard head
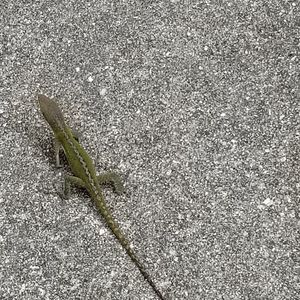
column 51, row 112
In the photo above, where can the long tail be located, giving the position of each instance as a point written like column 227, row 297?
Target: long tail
column 124, row 242
column 114, row 227
column 143, row 271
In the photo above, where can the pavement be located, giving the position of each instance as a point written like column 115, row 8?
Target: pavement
column 196, row 105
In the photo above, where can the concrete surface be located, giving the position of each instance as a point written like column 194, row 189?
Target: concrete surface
column 196, row 105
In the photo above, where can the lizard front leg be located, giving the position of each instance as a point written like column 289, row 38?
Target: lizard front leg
column 58, row 147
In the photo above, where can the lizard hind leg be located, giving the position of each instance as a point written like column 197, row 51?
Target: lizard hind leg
column 113, row 179
column 67, row 184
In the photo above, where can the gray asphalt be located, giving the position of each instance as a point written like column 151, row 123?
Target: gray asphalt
column 196, row 105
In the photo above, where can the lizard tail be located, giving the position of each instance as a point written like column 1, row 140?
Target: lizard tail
column 143, row 271
column 123, row 241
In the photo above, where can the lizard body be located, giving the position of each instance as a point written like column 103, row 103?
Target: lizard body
column 85, row 175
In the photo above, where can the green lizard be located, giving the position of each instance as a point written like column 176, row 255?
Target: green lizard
column 85, row 175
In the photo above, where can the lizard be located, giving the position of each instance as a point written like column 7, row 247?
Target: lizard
column 84, row 175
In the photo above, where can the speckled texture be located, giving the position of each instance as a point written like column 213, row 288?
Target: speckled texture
column 196, row 105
